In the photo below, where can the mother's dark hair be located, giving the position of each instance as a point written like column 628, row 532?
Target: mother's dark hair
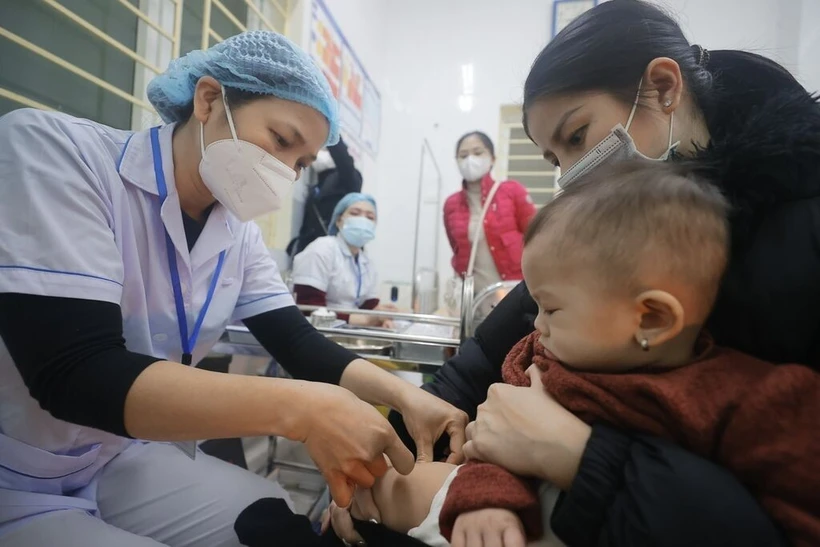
column 609, row 47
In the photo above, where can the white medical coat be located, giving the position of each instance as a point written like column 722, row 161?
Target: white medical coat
column 328, row 265
column 80, row 217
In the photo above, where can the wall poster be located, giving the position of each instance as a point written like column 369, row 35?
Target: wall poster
column 359, row 100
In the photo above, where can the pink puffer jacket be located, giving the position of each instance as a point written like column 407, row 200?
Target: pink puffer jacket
column 507, row 219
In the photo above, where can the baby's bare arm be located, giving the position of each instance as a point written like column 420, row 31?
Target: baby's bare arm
column 404, row 501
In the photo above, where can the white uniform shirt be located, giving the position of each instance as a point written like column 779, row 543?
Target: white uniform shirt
column 328, row 265
column 81, row 218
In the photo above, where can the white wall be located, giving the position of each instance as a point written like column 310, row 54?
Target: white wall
column 780, row 29
column 414, row 51
column 809, row 45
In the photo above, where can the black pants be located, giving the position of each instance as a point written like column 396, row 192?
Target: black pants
column 268, row 523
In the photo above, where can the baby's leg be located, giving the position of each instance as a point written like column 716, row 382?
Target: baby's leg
column 404, row 501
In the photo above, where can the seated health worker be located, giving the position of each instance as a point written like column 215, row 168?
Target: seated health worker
column 123, row 256
column 335, row 271
column 336, row 176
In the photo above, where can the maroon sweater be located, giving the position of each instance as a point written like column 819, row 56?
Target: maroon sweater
column 760, row 421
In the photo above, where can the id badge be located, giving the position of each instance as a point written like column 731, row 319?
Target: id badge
column 188, row 448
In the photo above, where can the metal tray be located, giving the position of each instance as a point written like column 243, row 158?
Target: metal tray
column 426, row 353
column 407, row 351
column 363, row 345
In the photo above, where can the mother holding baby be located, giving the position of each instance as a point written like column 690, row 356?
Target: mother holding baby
column 743, row 123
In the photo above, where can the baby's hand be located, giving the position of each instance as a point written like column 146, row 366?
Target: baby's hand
column 364, row 506
column 488, row 527
column 342, row 523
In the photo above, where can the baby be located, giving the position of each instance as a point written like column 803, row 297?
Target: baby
column 625, row 266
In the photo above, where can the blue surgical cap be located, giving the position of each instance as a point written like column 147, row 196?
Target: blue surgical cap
column 344, row 203
column 258, row 61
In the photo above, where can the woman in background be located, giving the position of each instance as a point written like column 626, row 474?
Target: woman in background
column 498, row 257
column 335, row 270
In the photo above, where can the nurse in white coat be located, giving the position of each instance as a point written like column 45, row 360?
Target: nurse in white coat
column 335, row 270
column 122, row 258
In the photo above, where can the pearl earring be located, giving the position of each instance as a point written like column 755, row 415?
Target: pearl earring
column 667, row 103
column 645, row 344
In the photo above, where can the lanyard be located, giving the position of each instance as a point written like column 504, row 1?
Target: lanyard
column 188, row 342
column 359, row 278
column 357, row 271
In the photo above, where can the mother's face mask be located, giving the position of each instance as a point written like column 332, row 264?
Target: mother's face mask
column 617, row 145
column 243, row 177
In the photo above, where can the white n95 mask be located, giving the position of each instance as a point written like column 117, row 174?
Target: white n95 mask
column 474, row 168
column 244, row 178
column 617, row 146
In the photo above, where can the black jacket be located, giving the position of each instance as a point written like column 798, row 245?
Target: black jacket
column 765, row 156
column 332, row 186
column 633, row 490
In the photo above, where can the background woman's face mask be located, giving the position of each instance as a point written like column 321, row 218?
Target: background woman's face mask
column 474, row 168
column 616, row 146
column 243, row 177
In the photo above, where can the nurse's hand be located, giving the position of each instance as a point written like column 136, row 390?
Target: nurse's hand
column 347, row 439
column 427, row 418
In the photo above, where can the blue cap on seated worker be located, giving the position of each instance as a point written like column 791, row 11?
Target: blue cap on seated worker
column 257, row 61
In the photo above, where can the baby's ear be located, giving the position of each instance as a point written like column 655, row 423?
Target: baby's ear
column 662, row 318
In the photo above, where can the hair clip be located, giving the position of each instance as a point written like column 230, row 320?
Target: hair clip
column 702, row 55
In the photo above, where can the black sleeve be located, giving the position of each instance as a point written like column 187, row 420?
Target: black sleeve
column 634, row 490
column 302, row 350
column 345, row 179
column 464, row 379
column 71, row 355
column 350, row 180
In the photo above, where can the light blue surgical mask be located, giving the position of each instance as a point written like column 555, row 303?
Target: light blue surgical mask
column 617, row 146
column 358, row 231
